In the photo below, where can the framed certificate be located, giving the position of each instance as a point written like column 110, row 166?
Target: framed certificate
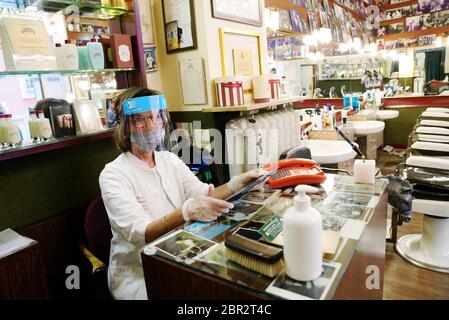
column 179, row 25
column 244, row 11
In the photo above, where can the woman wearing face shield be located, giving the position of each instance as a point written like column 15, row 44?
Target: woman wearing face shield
column 148, row 192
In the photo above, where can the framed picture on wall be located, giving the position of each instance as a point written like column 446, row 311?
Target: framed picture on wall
column 243, row 11
column 150, row 58
column 232, row 41
column 146, row 20
column 179, row 25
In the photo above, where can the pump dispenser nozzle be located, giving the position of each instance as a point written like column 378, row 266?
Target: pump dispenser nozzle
column 302, row 201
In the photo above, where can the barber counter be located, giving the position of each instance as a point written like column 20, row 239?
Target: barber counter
column 190, row 262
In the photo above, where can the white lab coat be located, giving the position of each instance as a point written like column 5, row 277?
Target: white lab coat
column 135, row 195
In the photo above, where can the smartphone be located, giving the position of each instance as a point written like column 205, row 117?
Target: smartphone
column 248, row 188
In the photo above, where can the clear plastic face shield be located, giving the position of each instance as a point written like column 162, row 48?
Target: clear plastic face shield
column 149, row 123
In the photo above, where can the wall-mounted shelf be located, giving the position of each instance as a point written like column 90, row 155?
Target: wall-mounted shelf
column 354, row 14
column 72, row 72
column 336, row 79
column 89, row 10
column 414, row 34
column 286, row 33
column 54, row 144
column 72, row 34
column 253, row 106
column 397, row 5
column 385, row 23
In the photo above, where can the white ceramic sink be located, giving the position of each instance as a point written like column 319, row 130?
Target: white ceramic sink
column 382, row 115
column 330, row 151
column 363, row 128
column 387, row 114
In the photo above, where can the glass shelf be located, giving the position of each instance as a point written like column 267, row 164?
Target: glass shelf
column 54, row 144
column 14, row 4
column 86, row 9
column 75, row 72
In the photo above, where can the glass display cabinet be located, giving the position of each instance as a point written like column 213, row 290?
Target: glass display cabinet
column 77, row 23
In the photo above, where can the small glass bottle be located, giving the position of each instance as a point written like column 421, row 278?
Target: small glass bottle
column 11, row 132
column 32, row 124
column 45, row 132
column 2, row 135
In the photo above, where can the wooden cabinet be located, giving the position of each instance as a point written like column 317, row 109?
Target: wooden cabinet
column 22, row 275
column 370, row 143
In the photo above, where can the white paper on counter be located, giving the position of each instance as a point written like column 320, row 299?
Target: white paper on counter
column 11, row 242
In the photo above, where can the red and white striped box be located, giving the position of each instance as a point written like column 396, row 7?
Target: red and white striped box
column 275, row 87
column 229, row 91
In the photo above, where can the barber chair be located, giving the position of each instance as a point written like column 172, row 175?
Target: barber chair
column 430, row 137
column 432, row 115
column 445, row 110
column 430, row 177
column 431, row 149
column 431, row 131
column 435, row 87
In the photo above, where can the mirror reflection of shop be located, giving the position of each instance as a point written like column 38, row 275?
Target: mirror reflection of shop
column 434, row 64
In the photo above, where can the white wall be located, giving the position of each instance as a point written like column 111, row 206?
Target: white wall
column 207, row 32
column 168, row 63
column 154, row 79
column 214, row 50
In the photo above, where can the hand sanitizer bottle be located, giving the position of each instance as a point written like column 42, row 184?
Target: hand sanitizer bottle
column 302, row 231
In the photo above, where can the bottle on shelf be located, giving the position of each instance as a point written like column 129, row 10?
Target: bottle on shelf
column 285, row 93
column 331, row 116
column 69, row 56
column 33, row 125
column 346, row 101
column 2, row 125
column 11, row 132
column 355, row 102
column 44, row 127
column 83, row 59
column 317, row 120
column 118, row 3
column 129, row 5
column 95, row 54
column 59, row 56
column 344, row 116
